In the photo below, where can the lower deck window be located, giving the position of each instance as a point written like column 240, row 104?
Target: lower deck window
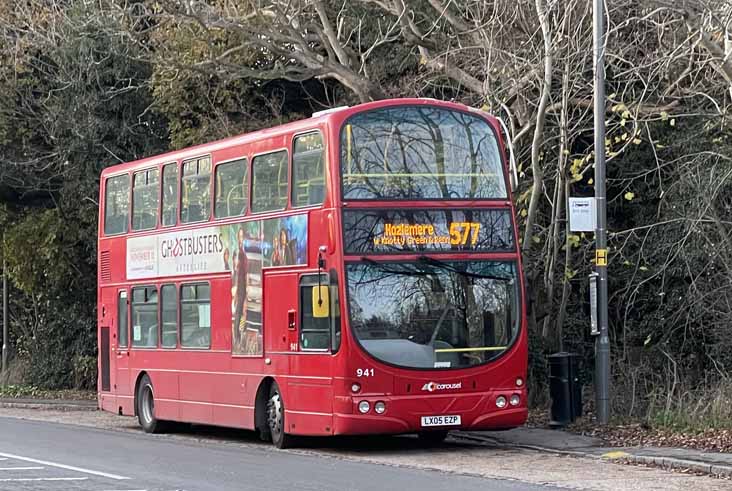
column 314, row 331
column 169, row 316
column 144, row 310
column 195, row 315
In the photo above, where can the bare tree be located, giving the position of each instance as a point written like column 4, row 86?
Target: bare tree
column 261, row 40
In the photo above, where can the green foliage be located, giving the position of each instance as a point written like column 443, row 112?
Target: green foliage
column 14, row 391
column 701, row 408
column 20, row 391
column 38, row 260
column 85, row 372
column 78, row 100
column 203, row 108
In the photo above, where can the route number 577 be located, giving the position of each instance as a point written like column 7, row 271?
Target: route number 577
column 460, row 231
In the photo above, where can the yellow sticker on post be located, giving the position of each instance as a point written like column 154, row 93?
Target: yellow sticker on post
column 600, row 257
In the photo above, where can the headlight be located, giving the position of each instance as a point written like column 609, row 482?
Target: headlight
column 380, row 407
column 364, row 406
column 515, row 400
column 501, row 402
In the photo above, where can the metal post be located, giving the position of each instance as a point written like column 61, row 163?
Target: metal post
column 602, row 342
column 5, row 313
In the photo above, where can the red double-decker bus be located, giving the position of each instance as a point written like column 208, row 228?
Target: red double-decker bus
column 353, row 273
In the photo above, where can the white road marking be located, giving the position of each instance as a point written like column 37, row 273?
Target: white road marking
column 20, row 468
column 45, row 479
column 63, row 466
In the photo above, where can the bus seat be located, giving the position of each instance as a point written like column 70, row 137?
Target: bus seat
column 170, row 334
column 193, row 212
column 316, row 191
column 152, row 334
column 235, row 201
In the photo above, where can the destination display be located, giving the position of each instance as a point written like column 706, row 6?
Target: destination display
column 406, row 230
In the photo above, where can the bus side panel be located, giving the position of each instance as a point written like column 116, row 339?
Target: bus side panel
column 280, row 337
column 196, row 389
column 107, row 320
column 281, row 325
column 240, row 414
column 309, row 407
column 166, row 392
column 233, row 387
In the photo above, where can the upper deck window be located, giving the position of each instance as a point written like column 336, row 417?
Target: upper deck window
column 269, row 182
column 196, row 190
column 308, row 170
column 116, row 204
column 145, row 199
column 170, row 194
column 231, row 189
column 410, row 152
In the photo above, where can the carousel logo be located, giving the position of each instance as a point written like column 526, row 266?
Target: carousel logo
column 432, row 386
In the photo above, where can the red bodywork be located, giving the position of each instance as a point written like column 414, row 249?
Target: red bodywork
column 214, row 387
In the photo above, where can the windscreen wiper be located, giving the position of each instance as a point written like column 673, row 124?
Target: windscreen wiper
column 449, row 267
column 386, row 269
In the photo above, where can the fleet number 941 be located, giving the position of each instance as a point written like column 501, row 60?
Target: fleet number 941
column 364, row 372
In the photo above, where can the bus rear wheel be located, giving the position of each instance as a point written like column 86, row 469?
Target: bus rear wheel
column 432, row 437
column 146, row 408
column 276, row 419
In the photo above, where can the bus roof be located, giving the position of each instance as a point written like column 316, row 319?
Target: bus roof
column 318, row 120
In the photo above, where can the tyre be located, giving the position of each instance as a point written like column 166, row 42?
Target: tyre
column 432, row 437
column 276, row 419
column 146, row 408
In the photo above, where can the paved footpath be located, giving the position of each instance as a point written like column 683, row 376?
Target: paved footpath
column 712, row 463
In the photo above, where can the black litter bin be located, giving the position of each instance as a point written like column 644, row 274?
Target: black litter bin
column 564, row 389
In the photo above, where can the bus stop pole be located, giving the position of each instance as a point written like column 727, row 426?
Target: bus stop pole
column 5, row 312
column 602, row 342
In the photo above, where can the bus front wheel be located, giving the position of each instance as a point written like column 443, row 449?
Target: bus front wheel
column 276, row 418
column 146, row 407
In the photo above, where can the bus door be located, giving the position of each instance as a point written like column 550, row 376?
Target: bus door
column 280, row 317
column 106, row 320
column 310, row 388
column 121, row 345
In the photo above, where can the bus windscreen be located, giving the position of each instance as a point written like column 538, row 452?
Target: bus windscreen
column 425, row 152
column 434, row 314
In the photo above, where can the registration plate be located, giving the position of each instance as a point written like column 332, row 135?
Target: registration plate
column 444, row 420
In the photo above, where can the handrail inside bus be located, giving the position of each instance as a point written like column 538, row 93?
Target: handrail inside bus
column 420, row 174
column 458, row 350
column 511, row 156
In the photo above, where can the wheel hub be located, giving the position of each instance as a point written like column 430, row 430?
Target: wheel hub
column 274, row 414
column 148, row 405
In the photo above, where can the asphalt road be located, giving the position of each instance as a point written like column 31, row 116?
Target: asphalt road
column 48, row 456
